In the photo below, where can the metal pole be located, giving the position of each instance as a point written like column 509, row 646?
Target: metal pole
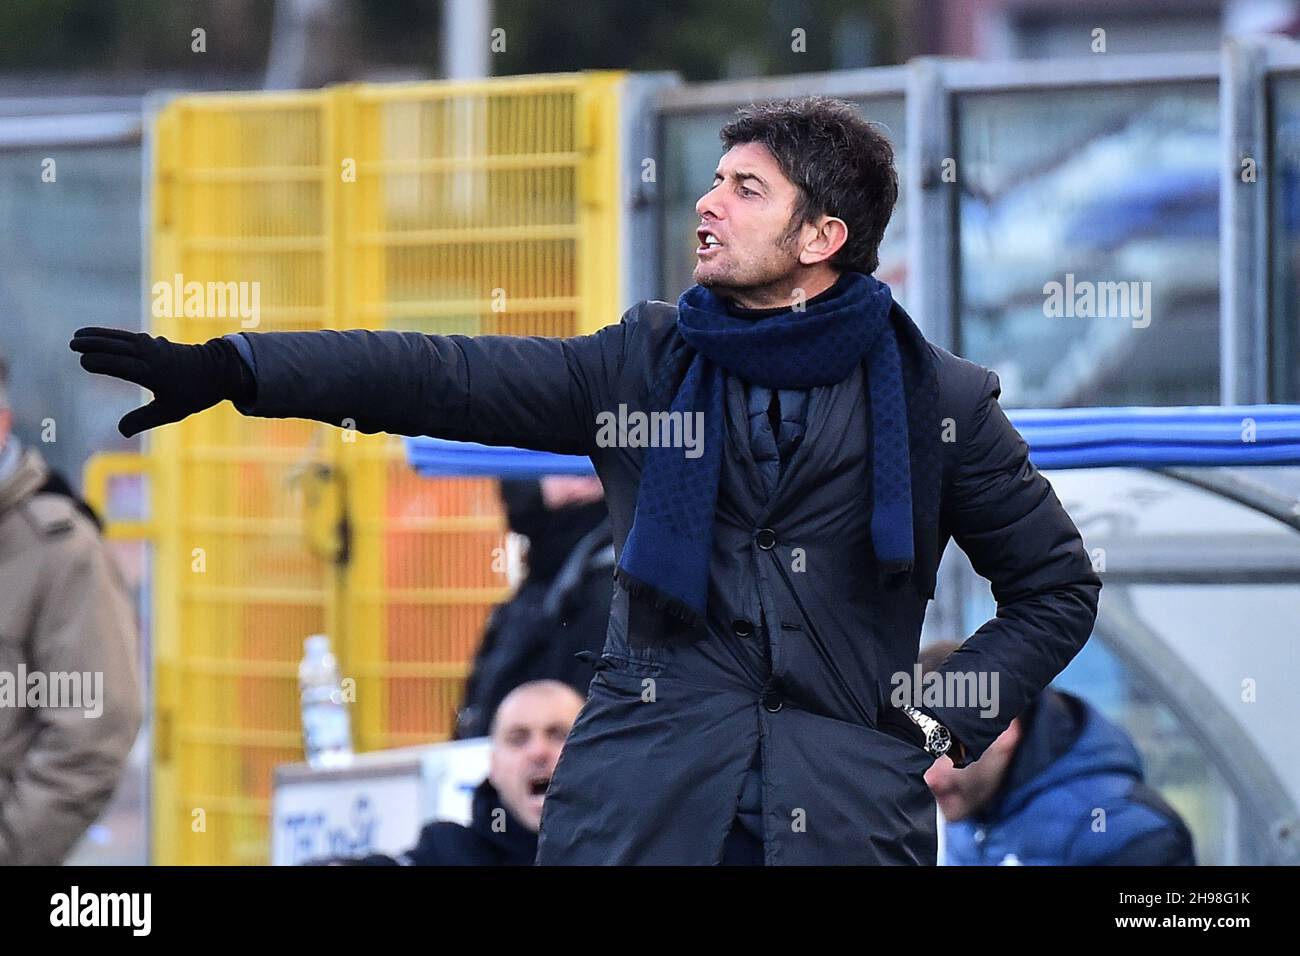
column 466, row 25
column 1243, row 226
column 931, row 202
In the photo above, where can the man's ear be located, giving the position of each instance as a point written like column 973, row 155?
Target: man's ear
column 829, row 238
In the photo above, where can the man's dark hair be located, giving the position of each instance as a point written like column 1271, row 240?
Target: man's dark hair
column 842, row 164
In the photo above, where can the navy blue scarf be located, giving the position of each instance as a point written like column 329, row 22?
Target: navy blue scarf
column 665, row 559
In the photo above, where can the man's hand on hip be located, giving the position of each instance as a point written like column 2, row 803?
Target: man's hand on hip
column 183, row 378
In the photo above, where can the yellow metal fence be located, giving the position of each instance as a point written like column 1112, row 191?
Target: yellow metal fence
column 484, row 207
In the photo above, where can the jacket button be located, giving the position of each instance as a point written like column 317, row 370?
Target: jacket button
column 772, row 701
column 742, row 628
column 766, row 539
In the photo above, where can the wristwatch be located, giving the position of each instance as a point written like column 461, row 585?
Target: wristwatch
column 937, row 738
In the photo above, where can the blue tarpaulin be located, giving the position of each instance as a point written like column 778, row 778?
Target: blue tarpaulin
column 1137, row 437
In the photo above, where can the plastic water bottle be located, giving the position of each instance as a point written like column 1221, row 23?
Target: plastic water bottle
column 326, row 732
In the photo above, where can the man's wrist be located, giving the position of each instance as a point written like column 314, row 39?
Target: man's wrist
column 956, row 749
column 936, row 740
column 241, row 383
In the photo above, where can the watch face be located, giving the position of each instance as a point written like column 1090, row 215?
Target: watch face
column 939, row 742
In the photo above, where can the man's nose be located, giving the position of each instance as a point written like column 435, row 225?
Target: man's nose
column 539, row 748
column 545, row 754
column 708, row 203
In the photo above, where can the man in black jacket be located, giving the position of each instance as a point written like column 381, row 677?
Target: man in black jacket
column 528, row 732
column 785, row 458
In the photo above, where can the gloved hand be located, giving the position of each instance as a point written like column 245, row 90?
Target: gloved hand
column 183, row 378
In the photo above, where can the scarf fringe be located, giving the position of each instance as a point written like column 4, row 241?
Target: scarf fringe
column 649, row 594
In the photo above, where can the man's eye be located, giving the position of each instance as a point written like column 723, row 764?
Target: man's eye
column 746, row 191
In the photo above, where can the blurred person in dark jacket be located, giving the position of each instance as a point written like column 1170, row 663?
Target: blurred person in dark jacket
column 1062, row 785
column 527, row 732
column 66, row 622
column 560, row 610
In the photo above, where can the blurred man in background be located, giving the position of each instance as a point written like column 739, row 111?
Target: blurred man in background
column 561, row 609
column 528, row 732
column 66, row 628
column 1062, row 785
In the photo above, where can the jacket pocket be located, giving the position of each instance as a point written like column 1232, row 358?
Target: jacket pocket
column 613, row 666
column 894, row 723
column 891, row 741
column 866, row 787
column 636, row 634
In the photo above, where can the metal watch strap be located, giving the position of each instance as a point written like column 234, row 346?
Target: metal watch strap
column 938, row 740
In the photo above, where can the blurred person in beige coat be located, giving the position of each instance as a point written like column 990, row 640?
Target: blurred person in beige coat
column 70, row 689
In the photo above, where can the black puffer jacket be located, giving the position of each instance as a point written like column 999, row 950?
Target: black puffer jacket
column 802, row 641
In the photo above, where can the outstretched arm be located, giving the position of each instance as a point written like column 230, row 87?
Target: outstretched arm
column 534, row 392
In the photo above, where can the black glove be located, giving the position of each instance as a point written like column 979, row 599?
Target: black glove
column 183, row 378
